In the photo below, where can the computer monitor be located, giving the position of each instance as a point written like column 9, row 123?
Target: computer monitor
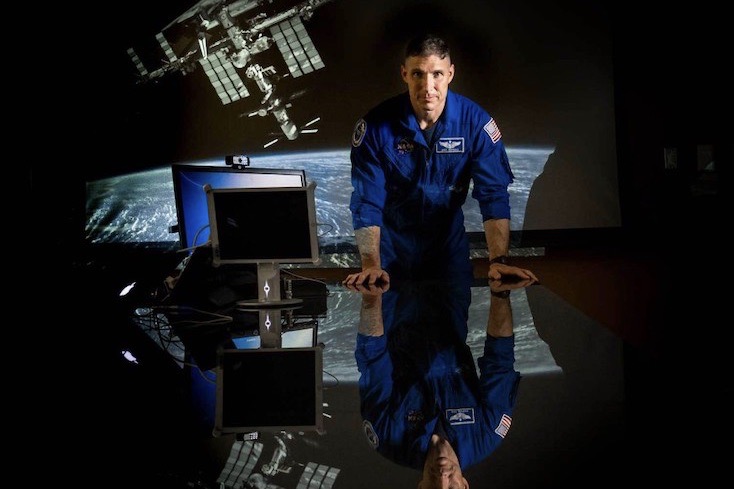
column 266, row 227
column 269, row 389
column 300, row 336
column 190, row 199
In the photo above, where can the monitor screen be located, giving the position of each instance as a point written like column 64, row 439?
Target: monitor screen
column 299, row 337
column 191, row 204
column 269, row 389
column 263, row 225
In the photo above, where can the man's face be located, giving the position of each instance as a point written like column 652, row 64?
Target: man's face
column 428, row 79
column 441, row 469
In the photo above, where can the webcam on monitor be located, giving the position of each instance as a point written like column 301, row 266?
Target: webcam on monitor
column 237, row 161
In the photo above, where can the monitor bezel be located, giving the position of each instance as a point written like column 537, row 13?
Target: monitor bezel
column 221, row 428
column 217, row 260
column 177, row 169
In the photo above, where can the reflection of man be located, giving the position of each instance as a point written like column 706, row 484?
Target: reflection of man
column 413, row 157
column 422, row 402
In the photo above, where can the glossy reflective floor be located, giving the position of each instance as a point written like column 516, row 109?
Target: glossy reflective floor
column 602, row 399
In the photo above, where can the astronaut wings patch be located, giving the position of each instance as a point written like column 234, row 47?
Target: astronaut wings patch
column 450, row 145
column 493, row 130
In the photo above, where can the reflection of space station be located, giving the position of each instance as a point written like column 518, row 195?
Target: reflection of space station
column 245, row 469
column 218, row 36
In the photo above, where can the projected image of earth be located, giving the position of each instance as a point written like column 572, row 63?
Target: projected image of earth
column 140, row 207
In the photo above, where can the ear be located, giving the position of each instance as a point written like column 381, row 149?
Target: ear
column 451, row 72
column 404, row 73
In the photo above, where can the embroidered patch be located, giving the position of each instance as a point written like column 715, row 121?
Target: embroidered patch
column 450, row 145
column 460, row 416
column 359, row 130
column 369, row 432
column 493, row 131
column 414, row 416
column 405, row 146
column 504, row 426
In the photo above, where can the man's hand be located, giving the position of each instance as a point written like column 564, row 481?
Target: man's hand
column 368, row 276
column 367, row 290
column 370, row 311
column 498, row 286
column 501, row 271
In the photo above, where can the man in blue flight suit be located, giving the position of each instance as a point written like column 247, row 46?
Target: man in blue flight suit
column 413, row 157
column 422, row 403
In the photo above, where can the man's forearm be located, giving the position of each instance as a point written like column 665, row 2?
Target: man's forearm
column 497, row 234
column 499, row 324
column 370, row 316
column 368, row 243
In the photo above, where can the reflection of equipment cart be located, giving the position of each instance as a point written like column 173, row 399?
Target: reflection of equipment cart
column 281, row 471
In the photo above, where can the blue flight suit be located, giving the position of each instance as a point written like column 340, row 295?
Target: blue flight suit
column 419, row 378
column 413, row 189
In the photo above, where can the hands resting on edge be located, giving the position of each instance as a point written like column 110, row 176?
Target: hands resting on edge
column 368, row 276
column 501, row 276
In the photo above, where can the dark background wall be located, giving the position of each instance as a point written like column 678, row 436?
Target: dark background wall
column 672, row 90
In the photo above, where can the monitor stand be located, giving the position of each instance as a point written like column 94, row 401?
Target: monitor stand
column 268, row 291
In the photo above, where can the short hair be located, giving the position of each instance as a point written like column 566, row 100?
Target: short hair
column 427, row 45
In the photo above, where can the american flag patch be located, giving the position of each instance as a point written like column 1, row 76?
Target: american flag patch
column 493, row 131
column 504, row 426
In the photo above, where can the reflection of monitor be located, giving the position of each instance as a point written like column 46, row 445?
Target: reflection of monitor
column 269, row 389
column 191, row 205
column 296, row 337
column 264, row 226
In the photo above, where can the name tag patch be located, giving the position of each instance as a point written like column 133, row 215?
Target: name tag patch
column 450, row 145
column 460, row 416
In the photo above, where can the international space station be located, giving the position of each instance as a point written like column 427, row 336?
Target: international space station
column 226, row 38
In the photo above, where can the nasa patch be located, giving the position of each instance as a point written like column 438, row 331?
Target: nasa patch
column 493, row 130
column 359, row 130
column 404, row 146
column 450, row 145
column 460, row 416
column 369, row 432
column 414, row 416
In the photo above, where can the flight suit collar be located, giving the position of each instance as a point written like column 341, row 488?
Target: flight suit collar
column 410, row 124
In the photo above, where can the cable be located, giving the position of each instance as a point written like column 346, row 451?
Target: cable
column 333, row 377
column 331, row 228
column 286, row 270
column 196, row 236
column 194, row 322
column 181, row 309
column 195, row 246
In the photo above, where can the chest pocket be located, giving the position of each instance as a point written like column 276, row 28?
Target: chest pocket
column 448, row 183
column 424, row 187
